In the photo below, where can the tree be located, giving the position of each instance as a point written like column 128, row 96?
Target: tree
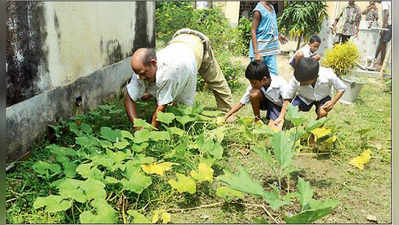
column 302, row 19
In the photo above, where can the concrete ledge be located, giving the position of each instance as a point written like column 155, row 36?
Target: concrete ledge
column 27, row 120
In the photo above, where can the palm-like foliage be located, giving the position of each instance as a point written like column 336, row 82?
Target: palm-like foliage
column 302, row 19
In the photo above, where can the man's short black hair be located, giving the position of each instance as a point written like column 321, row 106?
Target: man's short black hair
column 256, row 71
column 306, row 69
column 149, row 55
column 314, row 38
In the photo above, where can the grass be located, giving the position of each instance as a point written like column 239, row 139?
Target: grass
column 360, row 192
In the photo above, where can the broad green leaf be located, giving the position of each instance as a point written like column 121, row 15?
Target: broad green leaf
column 75, row 129
column 242, row 182
column 138, row 160
column 158, row 168
column 165, row 117
column 204, row 173
column 121, row 144
column 305, row 193
column 87, row 141
column 110, row 134
column 183, row 120
column 211, row 113
column 110, row 180
column 70, row 188
column 178, row 152
column 59, row 150
column 159, row 136
column 206, row 145
column 69, row 169
column 102, row 160
column 106, row 144
column 52, row 203
column 89, row 171
column 263, row 129
column 44, row 168
column 139, row 147
column 86, row 128
column 319, row 210
column 313, row 124
column 104, row 213
column 218, row 134
column 138, row 217
column 260, row 220
column 142, row 123
column 274, row 199
column 229, row 194
column 359, row 161
column 175, row 130
column 282, row 147
column 264, row 154
column 183, row 184
column 126, row 134
column 136, row 180
column 208, row 161
column 93, row 189
column 294, row 115
column 141, row 136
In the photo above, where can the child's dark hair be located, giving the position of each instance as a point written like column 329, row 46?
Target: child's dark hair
column 306, row 69
column 314, row 38
column 256, row 71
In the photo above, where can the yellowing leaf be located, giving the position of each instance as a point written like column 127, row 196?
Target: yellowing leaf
column 160, row 168
column 183, row 184
column 204, row 173
column 161, row 214
column 320, row 132
column 220, row 120
column 359, row 161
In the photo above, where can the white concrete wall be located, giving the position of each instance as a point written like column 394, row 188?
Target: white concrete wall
column 82, row 36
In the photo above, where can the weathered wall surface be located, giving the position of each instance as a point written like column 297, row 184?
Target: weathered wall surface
column 58, row 51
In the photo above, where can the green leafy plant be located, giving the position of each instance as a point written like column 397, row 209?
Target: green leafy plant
column 302, row 19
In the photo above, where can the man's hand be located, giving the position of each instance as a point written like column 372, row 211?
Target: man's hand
column 328, row 106
column 282, row 38
column 278, row 123
column 258, row 57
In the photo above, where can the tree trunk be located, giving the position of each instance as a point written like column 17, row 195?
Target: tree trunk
column 299, row 42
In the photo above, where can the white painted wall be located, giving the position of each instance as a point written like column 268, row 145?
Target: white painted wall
column 87, row 33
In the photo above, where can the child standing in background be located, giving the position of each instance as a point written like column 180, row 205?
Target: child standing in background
column 265, row 36
column 308, row 50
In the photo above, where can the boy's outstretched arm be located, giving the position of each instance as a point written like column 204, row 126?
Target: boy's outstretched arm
column 233, row 110
column 330, row 104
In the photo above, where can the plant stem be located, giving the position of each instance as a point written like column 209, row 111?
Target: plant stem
column 123, row 210
column 264, row 209
column 198, row 207
column 288, row 183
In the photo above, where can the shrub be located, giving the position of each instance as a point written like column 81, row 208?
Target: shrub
column 226, row 41
column 342, row 58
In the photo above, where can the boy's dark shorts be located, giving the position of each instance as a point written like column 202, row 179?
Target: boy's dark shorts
column 273, row 110
column 304, row 107
column 386, row 35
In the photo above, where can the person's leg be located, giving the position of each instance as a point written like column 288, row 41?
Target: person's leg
column 271, row 63
column 257, row 102
column 213, row 76
column 386, row 37
column 345, row 38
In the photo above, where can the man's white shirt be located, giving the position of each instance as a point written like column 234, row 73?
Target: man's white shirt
column 273, row 93
column 322, row 88
column 386, row 5
column 176, row 77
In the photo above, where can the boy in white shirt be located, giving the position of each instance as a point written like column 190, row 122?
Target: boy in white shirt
column 264, row 93
column 308, row 50
column 312, row 86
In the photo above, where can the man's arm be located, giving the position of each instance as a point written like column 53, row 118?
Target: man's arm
column 159, row 108
column 130, row 107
